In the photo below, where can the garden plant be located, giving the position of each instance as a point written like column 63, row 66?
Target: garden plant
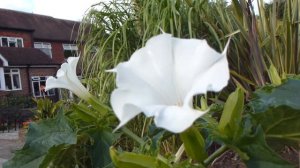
column 176, row 83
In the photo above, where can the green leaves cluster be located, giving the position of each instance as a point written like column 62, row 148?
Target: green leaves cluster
column 41, row 137
column 244, row 128
column 277, row 109
column 75, row 137
column 83, row 137
column 274, row 116
column 46, row 108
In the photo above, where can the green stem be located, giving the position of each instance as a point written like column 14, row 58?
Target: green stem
column 133, row 136
column 97, row 105
column 216, row 154
column 139, row 140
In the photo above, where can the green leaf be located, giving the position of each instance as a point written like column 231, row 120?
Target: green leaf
column 134, row 160
column 40, row 138
column 232, row 113
column 84, row 113
column 52, row 154
column 194, row 144
column 155, row 136
column 99, row 151
column 274, row 76
column 260, row 154
column 277, row 109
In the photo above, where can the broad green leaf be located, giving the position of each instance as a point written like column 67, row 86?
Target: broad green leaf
column 99, row 150
column 134, row 160
column 194, row 144
column 277, row 109
column 52, row 154
column 155, row 137
column 40, row 138
column 260, row 154
column 232, row 113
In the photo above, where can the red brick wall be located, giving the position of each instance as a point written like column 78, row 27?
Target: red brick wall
column 57, row 48
column 58, row 52
column 26, row 79
column 27, row 36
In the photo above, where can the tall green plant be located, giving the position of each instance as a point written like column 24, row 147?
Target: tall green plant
column 257, row 40
column 46, row 108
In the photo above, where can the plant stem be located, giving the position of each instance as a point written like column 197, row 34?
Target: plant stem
column 133, row 136
column 142, row 142
column 179, row 154
column 213, row 156
column 97, row 105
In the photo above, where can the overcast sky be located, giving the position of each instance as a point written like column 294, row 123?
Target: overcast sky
column 64, row 9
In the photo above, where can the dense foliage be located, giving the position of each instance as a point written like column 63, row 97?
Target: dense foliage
column 256, row 115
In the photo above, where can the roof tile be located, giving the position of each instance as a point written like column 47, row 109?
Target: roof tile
column 25, row 56
column 43, row 27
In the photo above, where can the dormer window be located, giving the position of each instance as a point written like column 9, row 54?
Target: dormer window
column 11, row 42
column 44, row 47
column 70, row 50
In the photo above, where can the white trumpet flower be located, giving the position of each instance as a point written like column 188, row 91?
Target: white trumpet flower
column 161, row 79
column 66, row 78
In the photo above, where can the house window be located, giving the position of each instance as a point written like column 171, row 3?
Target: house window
column 70, row 50
column 11, row 42
column 38, row 86
column 44, row 47
column 12, row 79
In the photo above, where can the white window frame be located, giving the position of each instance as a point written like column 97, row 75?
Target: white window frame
column 70, row 47
column 2, row 79
column 12, row 39
column 11, row 73
column 43, row 45
column 38, row 79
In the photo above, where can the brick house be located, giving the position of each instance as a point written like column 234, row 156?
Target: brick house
column 32, row 47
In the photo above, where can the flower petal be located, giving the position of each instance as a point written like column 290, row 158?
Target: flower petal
column 126, row 104
column 161, row 78
column 215, row 78
column 176, row 119
column 150, row 67
column 66, row 78
column 71, row 68
column 193, row 58
column 72, row 62
column 52, row 83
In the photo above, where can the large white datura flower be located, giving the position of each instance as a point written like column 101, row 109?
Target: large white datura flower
column 161, row 79
column 66, row 78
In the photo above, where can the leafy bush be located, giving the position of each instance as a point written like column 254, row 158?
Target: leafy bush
column 254, row 117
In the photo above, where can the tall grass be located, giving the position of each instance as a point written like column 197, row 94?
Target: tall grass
column 258, row 41
column 111, row 35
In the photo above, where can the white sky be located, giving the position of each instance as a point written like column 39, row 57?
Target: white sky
column 64, row 9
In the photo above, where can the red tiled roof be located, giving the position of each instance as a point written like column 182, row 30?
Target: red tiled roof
column 25, row 56
column 43, row 27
